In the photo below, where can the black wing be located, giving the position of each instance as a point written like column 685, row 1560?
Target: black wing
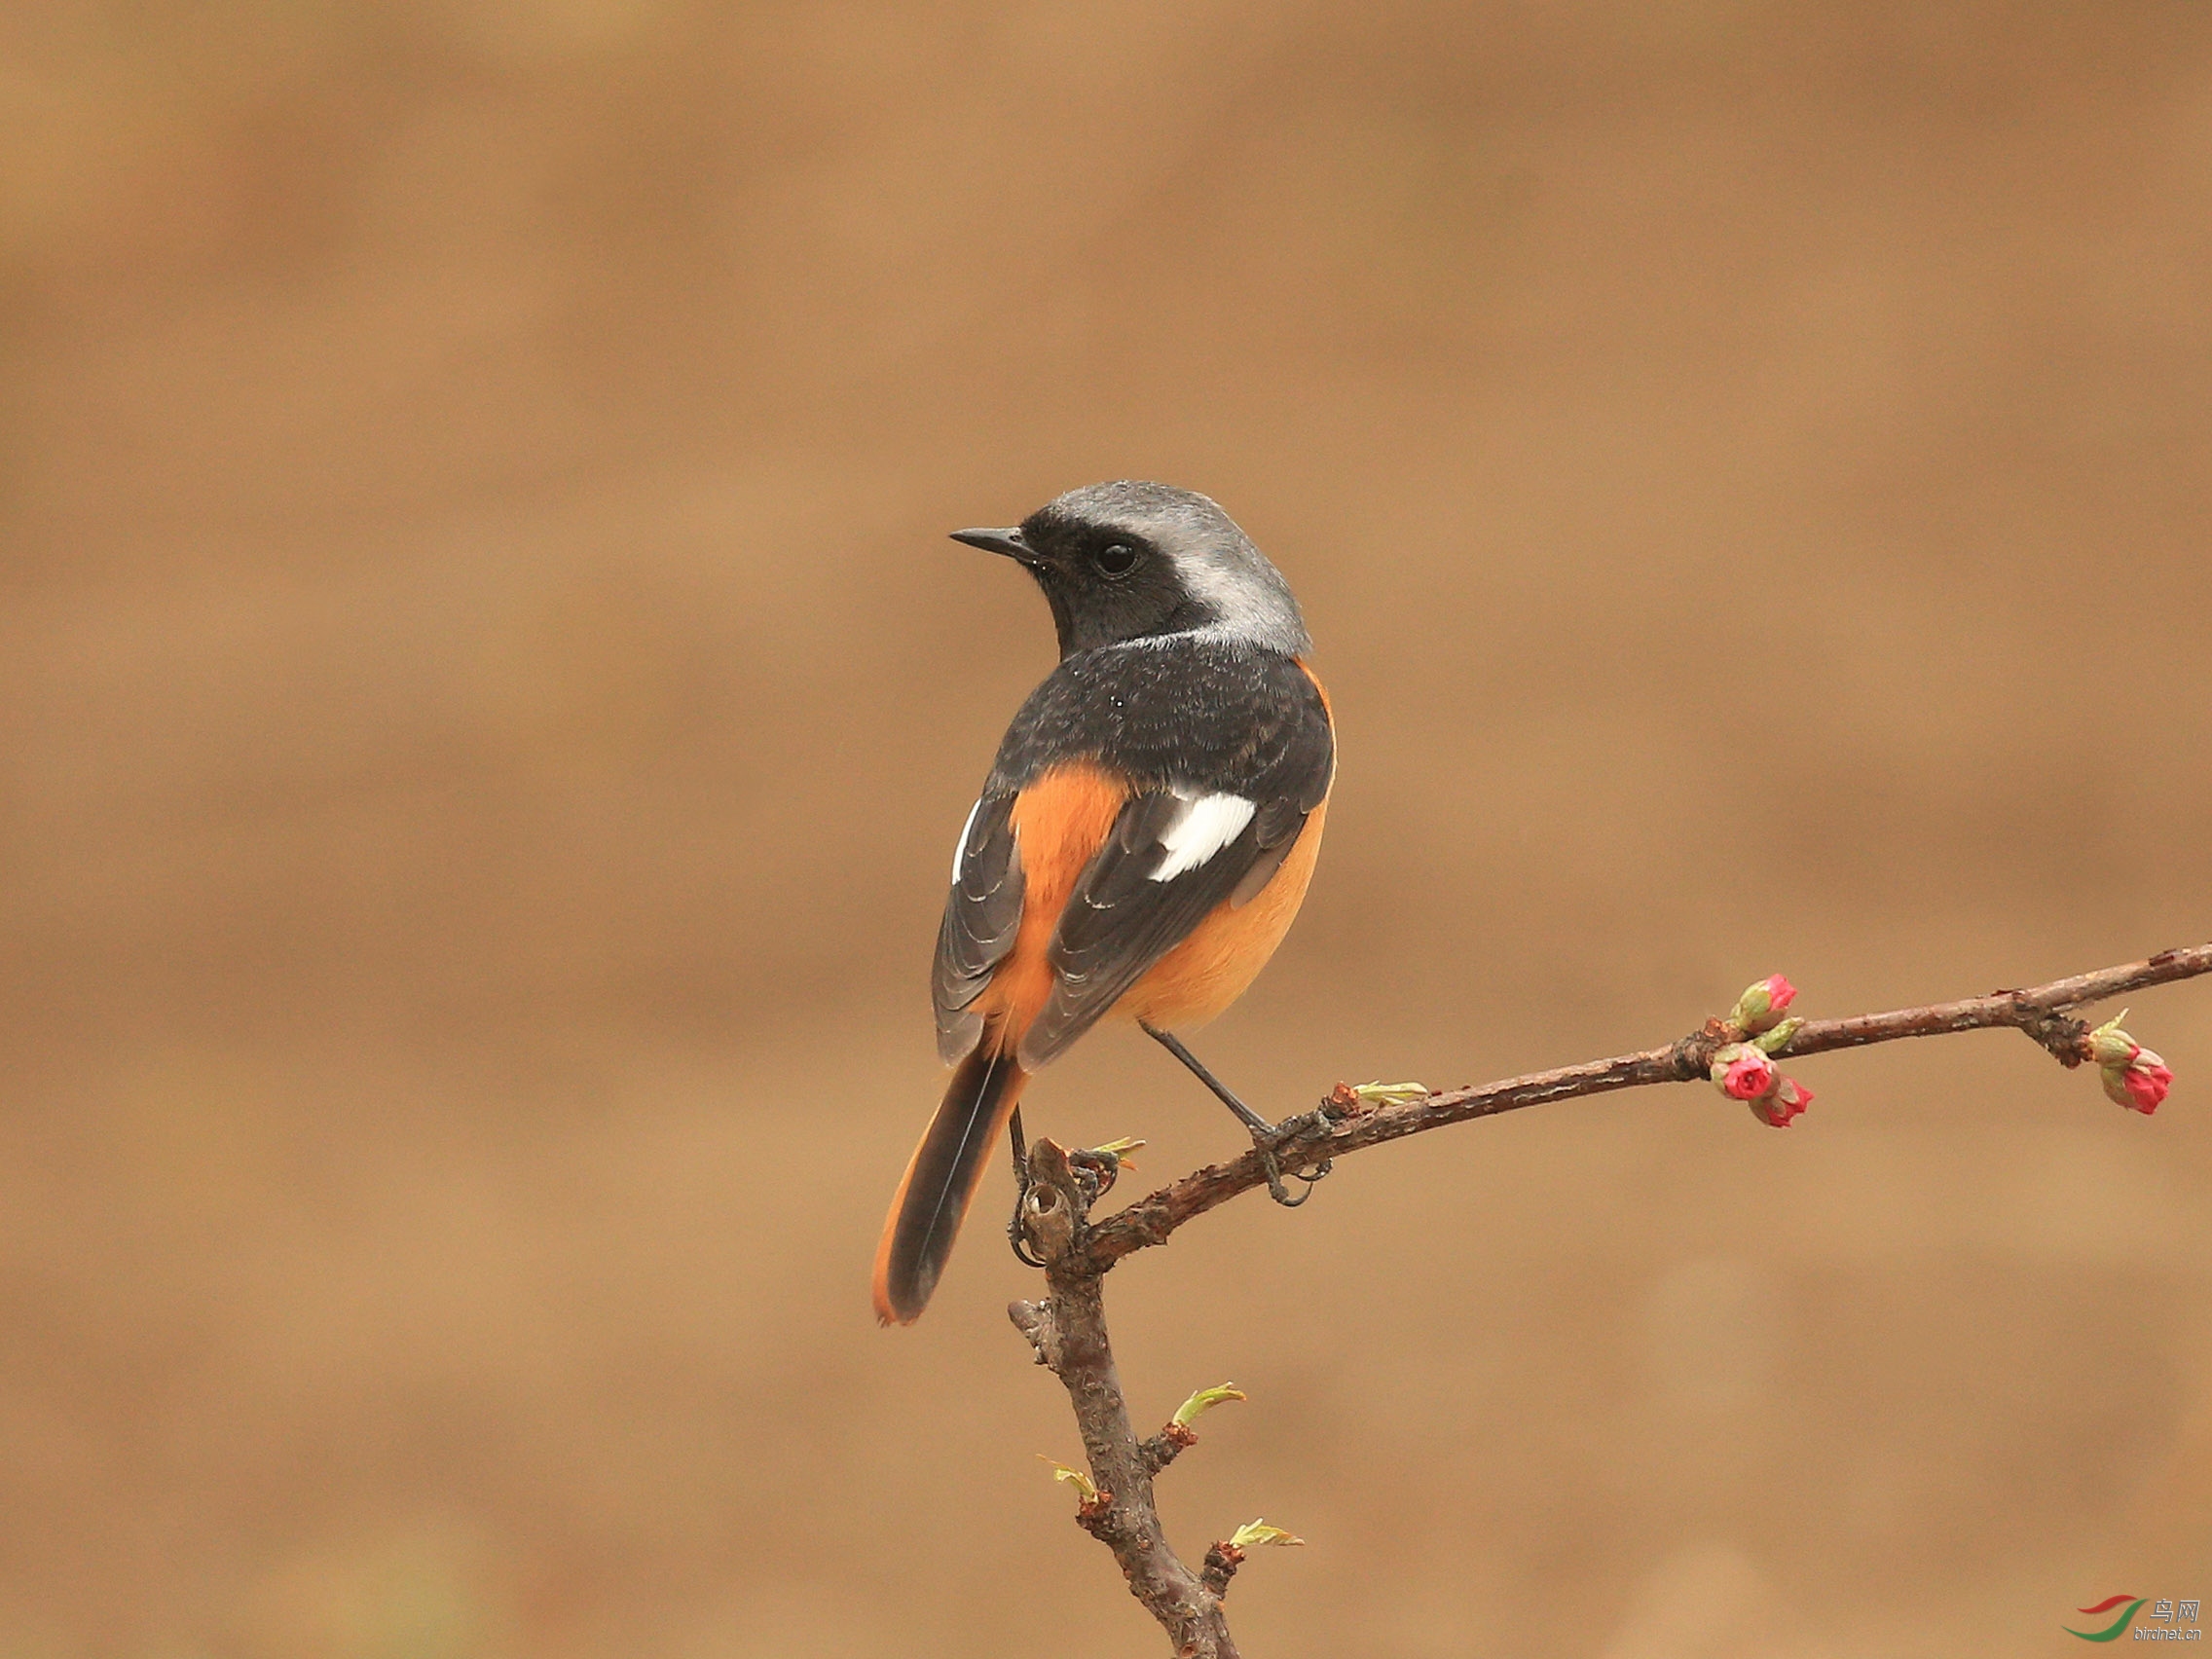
column 981, row 915
column 1122, row 916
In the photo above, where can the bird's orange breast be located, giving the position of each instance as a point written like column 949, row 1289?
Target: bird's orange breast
column 1215, row 966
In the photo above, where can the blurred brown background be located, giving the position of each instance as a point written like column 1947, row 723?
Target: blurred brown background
column 488, row 701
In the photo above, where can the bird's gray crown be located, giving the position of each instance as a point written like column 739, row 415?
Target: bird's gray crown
column 1214, row 559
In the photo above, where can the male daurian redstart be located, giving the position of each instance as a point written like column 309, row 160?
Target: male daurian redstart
column 1143, row 840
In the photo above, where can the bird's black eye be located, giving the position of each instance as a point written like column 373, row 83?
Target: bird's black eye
column 1115, row 559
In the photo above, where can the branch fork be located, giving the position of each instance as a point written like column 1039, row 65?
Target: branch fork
column 1067, row 1332
column 1067, row 1329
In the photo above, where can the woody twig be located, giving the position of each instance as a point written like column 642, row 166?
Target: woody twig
column 1067, row 1329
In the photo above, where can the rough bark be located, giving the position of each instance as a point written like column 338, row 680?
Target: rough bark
column 1068, row 1332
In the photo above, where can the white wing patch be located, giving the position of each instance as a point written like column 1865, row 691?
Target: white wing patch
column 960, row 847
column 1208, row 824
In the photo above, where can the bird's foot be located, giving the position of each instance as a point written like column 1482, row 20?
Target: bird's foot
column 1013, row 1231
column 1269, row 1139
column 1014, row 1234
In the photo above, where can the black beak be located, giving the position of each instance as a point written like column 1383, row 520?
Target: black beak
column 1007, row 541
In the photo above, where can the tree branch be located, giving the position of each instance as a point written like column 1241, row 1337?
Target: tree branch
column 1068, row 1332
column 1340, row 1125
column 1067, row 1329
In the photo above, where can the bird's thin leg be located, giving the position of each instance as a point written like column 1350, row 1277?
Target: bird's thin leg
column 1013, row 1233
column 1264, row 1134
column 1174, row 1044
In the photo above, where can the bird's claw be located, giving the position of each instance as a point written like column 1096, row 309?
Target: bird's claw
column 1264, row 1141
column 1016, row 1238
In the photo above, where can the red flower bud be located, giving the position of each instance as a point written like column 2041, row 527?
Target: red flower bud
column 1790, row 1098
column 2140, row 1084
column 1762, row 1006
column 2147, row 1086
column 1743, row 1071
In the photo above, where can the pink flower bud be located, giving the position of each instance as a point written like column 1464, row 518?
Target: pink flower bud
column 2148, row 1085
column 2140, row 1084
column 1743, row 1071
column 1790, row 1098
column 1762, row 1006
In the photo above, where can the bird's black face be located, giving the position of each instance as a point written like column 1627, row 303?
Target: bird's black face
column 1105, row 582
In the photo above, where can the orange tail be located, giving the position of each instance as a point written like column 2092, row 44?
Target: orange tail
column 941, row 1180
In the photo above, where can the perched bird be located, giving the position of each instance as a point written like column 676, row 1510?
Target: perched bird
column 1143, row 840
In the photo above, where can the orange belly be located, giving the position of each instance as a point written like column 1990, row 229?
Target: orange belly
column 1225, row 954
column 1059, row 822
